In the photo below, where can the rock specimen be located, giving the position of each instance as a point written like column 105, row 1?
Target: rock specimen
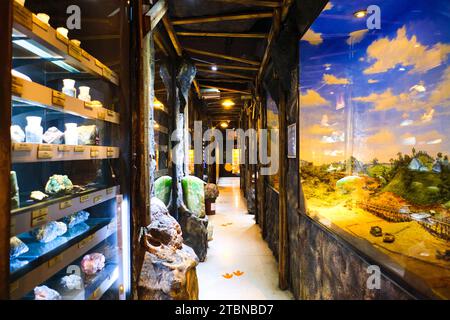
column 53, row 136
column 376, row 231
column 93, row 263
column 38, row 195
column 17, row 134
column 58, row 184
column 75, row 218
column 163, row 226
column 169, row 268
column 49, row 232
column 163, row 188
column 16, row 247
column 87, row 135
column 72, row 282
column 195, row 233
column 45, row 293
column 194, row 195
column 388, row 238
column 15, row 199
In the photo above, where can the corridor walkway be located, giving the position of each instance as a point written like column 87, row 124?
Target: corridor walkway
column 237, row 247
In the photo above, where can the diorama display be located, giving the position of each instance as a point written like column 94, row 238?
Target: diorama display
column 374, row 134
column 68, row 217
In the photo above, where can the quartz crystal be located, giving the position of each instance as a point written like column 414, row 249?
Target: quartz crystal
column 50, row 231
column 53, row 136
column 57, row 184
column 45, row 293
column 93, row 263
column 87, row 135
column 72, row 282
column 17, row 134
column 16, row 247
column 76, row 218
column 38, row 195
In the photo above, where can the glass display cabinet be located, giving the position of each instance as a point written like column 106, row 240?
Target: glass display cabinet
column 374, row 134
column 69, row 221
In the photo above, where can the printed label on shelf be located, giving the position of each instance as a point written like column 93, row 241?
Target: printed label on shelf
column 65, row 204
column 45, row 155
column 40, row 23
column 85, row 55
column 45, row 147
column 110, row 190
column 84, row 198
column 22, row 16
column 98, row 198
column 85, row 241
column 79, row 149
column 55, row 260
column 99, row 64
column 17, row 86
column 61, row 38
column 58, row 98
column 63, row 148
column 22, row 146
column 75, row 51
column 39, row 217
column 109, row 154
column 94, row 153
column 88, row 105
column 110, row 113
column 101, row 115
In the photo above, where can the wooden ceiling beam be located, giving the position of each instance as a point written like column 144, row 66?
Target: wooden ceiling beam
column 227, row 66
column 234, row 17
column 223, row 35
column 226, row 74
column 224, row 80
column 222, row 56
column 179, row 50
column 254, row 3
column 156, row 13
column 224, row 89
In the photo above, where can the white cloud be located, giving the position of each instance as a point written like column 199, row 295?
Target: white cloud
column 329, row 6
column 356, row 36
column 409, row 141
column 332, row 80
column 312, row 37
column 370, row 81
column 406, row 123
column 404, row 51
column 385, row 100
column 335, row 137
column 324, row 121
column 312, row 99
column 437, row 141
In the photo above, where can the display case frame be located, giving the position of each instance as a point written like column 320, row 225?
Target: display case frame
column 21, row 220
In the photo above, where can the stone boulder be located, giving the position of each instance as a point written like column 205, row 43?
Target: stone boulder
column 169, row 268
column 195, row 232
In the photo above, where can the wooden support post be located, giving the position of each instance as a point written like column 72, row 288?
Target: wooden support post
column 282, row 206
column 5, row 145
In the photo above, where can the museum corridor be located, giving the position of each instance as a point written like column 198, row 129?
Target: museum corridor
column 237, row 246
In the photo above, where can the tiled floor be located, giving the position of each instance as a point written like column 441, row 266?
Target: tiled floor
column 237, row 246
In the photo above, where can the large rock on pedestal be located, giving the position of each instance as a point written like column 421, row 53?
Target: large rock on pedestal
column 169, row 268
column 195, row 233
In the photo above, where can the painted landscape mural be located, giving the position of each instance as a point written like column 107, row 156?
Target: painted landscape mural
column 375, row 129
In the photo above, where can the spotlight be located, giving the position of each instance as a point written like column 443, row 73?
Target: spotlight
column 224, row 125
column 214, row 68
column 228, row 103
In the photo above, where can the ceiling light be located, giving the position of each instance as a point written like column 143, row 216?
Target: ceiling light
column 360, row 14
column 228, row 103
column 157, row 104
column 224, row 125
column 214, row 68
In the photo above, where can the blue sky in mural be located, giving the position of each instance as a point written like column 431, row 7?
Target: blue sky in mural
column 374, row 93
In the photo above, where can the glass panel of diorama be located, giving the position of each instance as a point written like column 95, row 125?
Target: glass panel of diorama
column 374, row 144
column 272, row 124
column 45, row 242
column 82, row 278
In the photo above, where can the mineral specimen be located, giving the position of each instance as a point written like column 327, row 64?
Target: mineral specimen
column 45, row 293
column 211, row 191
column 443, row 255
column 72, row 282
column 164, row 228
column 163, row 187
column 87, row 135
column 38, row 195
column 58, row 184
column 376, row 231
column 93, row 263
column 76, row 218
column 50, row 231
column 15, row 199
column 388, row 238
column 53, row 136
column 17, row 134
column 16, row 247
column 194, row 195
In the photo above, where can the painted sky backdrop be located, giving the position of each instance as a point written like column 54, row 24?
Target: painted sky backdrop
column 374, row 93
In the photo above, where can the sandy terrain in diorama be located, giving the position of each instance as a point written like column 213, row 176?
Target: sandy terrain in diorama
column 422, row 244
